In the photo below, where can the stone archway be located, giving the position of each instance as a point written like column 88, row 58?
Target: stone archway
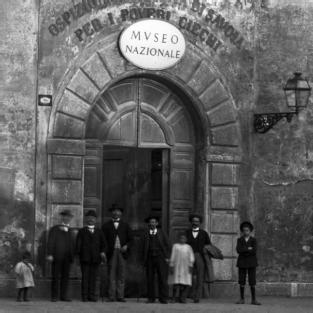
column 99, row 67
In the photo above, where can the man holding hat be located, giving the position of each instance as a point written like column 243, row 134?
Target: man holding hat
column 90, row 246
column 156, row 253
column 197, row 238
column 60, row 249
column 118, row 236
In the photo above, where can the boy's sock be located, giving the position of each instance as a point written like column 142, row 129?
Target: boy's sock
column 19, row 294
column 242, row 292
column 252, row 293
column 26, row 294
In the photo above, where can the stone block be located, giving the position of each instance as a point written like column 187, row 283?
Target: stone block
column 68, row 127
column 223, row 269
column 116, row 66
column 96, row 70
column 202, row 78
column 214, row 95
column 305, row 290
column 77, row 211
column 224, row 174
column 83, row 86
column 66, row 146
column 187, row 66
column 224, row 222
column 66, row 191
column 222, row 114
column 227, row 135
column 67, row 166
column 73, row 105
column 225, row 243
column 224, row 197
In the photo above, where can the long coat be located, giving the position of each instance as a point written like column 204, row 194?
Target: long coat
column 200, row 242
column 124, row 233
column 247, row 257
column 61, row 244
column 90, row 245
column 164, row 244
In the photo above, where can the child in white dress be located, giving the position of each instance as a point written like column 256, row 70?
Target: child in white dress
column 24, row 277
column 181, row 266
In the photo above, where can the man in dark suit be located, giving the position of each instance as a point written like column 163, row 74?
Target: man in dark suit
column 90, row 246
column 197, row 238
column 247, row 261
column 156, row 253
column 60, row 251
column 118, row 236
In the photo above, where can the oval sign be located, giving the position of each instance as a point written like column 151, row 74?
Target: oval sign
column 152, row 44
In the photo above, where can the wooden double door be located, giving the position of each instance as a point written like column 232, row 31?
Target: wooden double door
column 140, row 155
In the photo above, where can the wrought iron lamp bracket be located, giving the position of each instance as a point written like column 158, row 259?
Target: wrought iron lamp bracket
column 265, row 121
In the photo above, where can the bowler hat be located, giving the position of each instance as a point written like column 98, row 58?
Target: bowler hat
column 66, row 213
column 192, row 215
column 91, row 213
column 150, row 217
column 115, row 207
column 246, row 224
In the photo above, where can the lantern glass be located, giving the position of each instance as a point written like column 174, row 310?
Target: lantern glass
column 297, row 92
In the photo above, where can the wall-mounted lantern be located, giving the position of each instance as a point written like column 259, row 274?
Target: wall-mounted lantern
column 297, row 91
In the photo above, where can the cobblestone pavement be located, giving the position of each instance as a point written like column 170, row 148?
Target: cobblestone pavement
column 269, row 305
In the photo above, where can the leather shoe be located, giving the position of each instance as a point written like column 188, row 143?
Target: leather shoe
column 240, row 301
column 254, row 302
column 150, row 301
column 110, row 300
column 54, row 299
column 121, row 300
column 66, row 300
column 164, row 301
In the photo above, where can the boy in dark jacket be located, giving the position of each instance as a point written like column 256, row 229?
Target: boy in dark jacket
column 247, row 261
column 156, row 252
column 90, row 246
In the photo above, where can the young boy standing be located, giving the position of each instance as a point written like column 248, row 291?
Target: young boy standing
column 247, row 261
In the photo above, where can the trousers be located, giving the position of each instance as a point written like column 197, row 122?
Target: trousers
column 89, row 280
column 157, row 265
column 198, row 276
column 117, row 271
column 60, row 277
column 243, row 275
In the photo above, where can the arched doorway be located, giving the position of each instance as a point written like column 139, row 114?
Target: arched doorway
column 141, row 154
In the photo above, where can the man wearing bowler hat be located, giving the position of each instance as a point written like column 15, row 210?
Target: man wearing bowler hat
column 90, row 246
column 60, row 250
column 118, row 236
column 197, row 238
column 156, row 253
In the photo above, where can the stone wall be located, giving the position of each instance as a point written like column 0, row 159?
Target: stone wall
column 18, row 46
column 277, row 167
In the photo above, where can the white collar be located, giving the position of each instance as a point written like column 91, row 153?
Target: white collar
column 91, row 226
column 153, row 231
column 195, row 229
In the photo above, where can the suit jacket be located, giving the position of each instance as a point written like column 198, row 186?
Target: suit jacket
column 61, row 244
column 124, row 233
column 200, row 242
column 163, row 241
column 247, row 258
column 90, row 245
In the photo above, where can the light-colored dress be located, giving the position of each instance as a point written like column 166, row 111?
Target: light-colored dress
column 24, row 275
column 182, row 258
